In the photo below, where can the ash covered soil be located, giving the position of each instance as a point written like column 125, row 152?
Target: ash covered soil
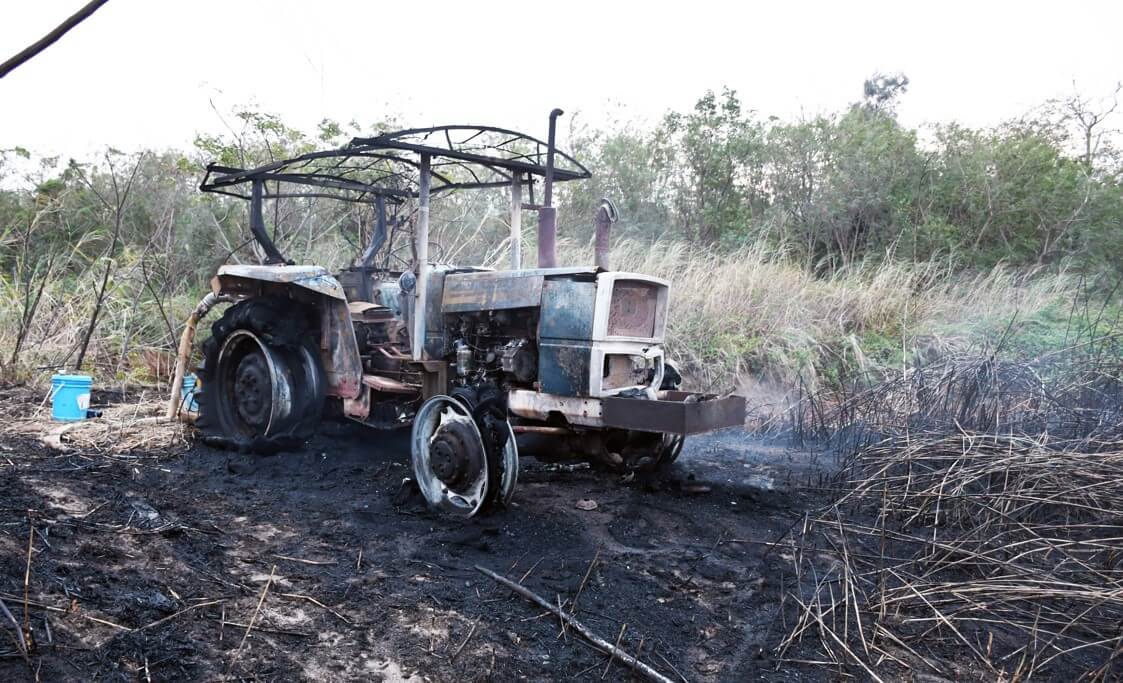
column 150, row 565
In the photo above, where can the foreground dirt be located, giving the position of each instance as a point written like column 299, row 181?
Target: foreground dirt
column 151, row 565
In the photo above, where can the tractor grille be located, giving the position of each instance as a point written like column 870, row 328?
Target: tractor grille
column 633, row 310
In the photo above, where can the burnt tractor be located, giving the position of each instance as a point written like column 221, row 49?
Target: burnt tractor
column 485, row 365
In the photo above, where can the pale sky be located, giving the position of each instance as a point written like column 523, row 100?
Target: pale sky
column 142, row 72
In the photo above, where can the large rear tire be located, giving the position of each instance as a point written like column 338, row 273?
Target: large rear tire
column 262, row 381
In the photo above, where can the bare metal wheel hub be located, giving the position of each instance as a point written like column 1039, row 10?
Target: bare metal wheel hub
column 256, row 386
column 455, row 453
column 451, row 465
column 253, row 394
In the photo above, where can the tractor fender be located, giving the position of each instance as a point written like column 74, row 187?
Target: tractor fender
column 241, row 278
column 339, row 351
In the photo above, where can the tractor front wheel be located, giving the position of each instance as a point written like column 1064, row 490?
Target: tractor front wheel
column 262, row 380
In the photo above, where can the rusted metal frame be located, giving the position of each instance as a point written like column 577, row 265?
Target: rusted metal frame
column 257, row 226
column 516, row 222
column 559, row 174
column 397, row 198
column 361, row 199
column 541, row 429
column 466, row 168
column 389, row 352
column 578, row 170
column 513, row 165
column 481, row 186
column 317, row 177
column 391, row 386
column 582, row 411
column 434, row 378
column 547, row 214
column 376, row 242
column 505, row 179
column 334, row 183
column 375, row 162
column 233, row 176
column 421, row 241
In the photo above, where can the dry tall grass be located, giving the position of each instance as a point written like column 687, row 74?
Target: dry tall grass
column 751, row 313
column 130, row 342
column 738, row 318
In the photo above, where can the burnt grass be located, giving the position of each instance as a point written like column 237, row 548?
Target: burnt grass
column 151, row 565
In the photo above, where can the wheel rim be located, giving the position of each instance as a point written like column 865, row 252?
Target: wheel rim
column 510, row 475
column 255, row 387
column 449, row 457
column 253, row 390
column 672, row 447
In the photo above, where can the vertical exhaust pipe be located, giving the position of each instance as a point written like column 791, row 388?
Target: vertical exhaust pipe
column 547, row 214
column 606, row 216
column 421, row 237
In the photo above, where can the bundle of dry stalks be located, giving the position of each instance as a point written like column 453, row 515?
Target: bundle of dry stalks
column 1006, row 549
column 123, row 428
column 977, row 530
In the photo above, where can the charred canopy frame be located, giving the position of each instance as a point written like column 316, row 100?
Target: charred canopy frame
column 392, row 168
column 412, row 164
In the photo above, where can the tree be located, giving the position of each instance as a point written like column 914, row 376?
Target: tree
column 1089, row 115
column 713, row 157
column 115, row 206
column 880, row 92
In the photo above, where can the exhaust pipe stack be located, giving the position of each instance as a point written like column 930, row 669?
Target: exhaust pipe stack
column 606, row 216
column 547, row 214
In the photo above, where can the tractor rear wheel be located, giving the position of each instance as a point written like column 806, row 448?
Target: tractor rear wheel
column 262, row 380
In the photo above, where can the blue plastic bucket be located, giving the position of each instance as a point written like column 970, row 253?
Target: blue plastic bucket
column 187, row 393
column 70, row 397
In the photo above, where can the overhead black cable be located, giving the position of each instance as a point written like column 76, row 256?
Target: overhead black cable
column 46, row 41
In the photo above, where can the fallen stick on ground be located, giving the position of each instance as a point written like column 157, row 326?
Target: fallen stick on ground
column 600, row 643
column 258, row 628
column 29, row 639
column 23, row 649
column 318, row 563
column 615, row 648
column 179, row 613
column 253, row 618
column 585, row 580
column 314, row 601
column 61, row 610
column 466, row 639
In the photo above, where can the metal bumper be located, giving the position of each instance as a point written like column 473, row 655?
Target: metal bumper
column 675, row 412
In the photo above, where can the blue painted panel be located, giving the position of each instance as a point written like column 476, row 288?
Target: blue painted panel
column 563, row 366
column 567, row 310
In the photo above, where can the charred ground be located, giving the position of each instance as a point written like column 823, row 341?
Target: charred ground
column 150, row 564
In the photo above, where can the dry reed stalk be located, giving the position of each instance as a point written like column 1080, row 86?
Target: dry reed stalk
column 976, row 529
